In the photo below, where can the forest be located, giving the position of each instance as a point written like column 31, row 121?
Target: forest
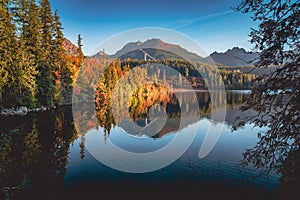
column 36, row 71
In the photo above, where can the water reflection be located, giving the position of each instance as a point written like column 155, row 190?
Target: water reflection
column 139, row 111
column 34, row 154
column 43, row 157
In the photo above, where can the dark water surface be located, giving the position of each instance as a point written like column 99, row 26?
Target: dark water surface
column 43, row 157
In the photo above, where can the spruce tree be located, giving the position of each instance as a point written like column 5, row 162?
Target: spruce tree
column 46, row 77
column 31, row 32
column 58, row 53
column 34, row 68
column 17, row 13
column 26, row 78
column 26, row 59
column 64, row 82
column 6, row 44
column 22, row 87
column 31, row 38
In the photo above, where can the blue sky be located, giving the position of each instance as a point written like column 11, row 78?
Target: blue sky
column 211, row 23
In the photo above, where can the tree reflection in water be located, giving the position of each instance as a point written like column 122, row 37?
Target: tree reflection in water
column 35, row 158
column 35, row 148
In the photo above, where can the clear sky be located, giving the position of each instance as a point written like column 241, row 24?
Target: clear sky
column 211, row 23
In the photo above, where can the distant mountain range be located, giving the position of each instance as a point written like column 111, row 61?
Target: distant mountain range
column 234, row 57
column 154, row 50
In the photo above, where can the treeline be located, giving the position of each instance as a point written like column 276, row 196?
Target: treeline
column 35, row 69
column 197, row 73
column 120, row 89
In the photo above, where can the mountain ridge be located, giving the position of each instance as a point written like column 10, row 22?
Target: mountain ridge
column 155, row 47
column 69, row 47
column 234, row 57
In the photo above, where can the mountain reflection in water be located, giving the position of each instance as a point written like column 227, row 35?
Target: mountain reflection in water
column 44, row 157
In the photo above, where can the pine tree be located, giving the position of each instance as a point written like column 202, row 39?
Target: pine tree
column 31, row 31
column 33, row 63
column 46, row 77
column 64, row 64
column 58, row 35
column 31, row 38
column 17, row 13
column 8, row 51
column 22, row 87
column 26, row 54
column 6, row 44
column 26, row 78
column 58, row 56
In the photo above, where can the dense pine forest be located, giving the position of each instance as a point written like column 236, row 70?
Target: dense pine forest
column 35, row 69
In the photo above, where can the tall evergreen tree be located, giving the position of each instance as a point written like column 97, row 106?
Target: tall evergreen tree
column 26, row 60
column 31, row 32
column 46, row 77
column 8, row 59
column 21, row 90
column 58, row 53
column 26, row 78
column 64, row 82
column 58, row 35
column 7, row 38
column 31, row 38
column 33, row 62
column 17, row 11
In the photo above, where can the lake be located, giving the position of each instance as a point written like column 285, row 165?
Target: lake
column 45, row 157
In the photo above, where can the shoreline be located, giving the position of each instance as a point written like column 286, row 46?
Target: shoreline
column 23, row 110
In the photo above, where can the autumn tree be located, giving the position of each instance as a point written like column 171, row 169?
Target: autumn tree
column 35, row 69
column 276, row 100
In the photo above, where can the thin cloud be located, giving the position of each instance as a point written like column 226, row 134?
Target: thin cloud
column 188, row 22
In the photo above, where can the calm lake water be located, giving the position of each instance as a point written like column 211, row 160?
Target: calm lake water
column 44, row 157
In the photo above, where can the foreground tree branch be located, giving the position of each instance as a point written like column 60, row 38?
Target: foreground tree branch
column 276, row 100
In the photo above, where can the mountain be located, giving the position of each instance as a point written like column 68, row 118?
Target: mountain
column 101, row 54
column 154, row 49
column 235, row 57
column 70, row 47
